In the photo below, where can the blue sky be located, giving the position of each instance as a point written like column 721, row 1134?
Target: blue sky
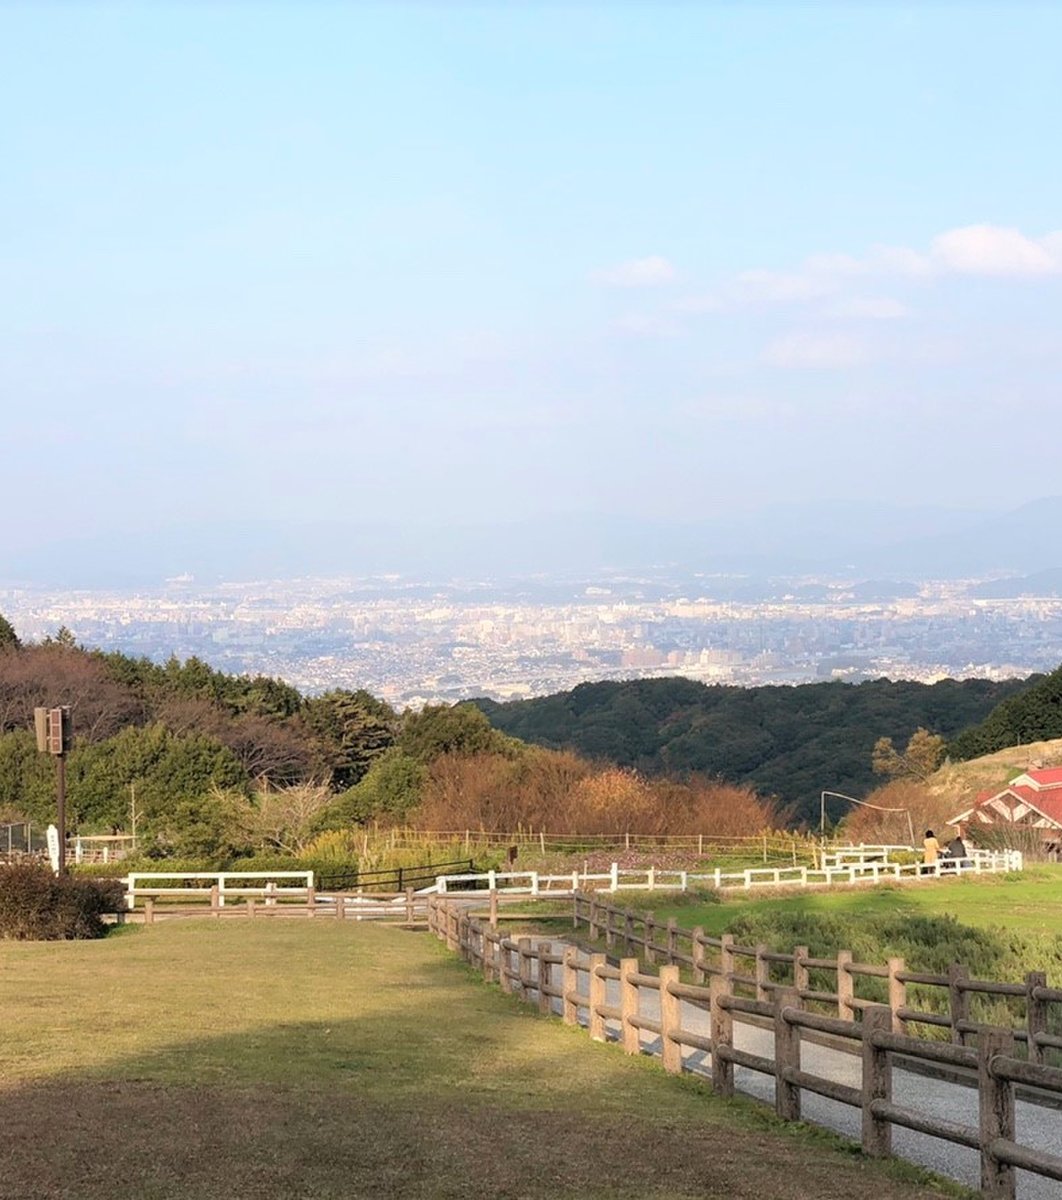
column 455, row 261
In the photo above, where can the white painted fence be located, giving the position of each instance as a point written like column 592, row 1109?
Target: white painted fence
column 877, row 870
column 145, row 883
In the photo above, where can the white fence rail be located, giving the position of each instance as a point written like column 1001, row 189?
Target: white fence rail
column 871, row 870
column 228, row 883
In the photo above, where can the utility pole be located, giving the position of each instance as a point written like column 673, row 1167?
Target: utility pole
column 54, row 736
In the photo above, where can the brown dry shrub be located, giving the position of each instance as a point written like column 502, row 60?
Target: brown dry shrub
column 563, row 793
column 929, row 809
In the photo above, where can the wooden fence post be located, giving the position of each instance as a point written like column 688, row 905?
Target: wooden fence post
column 597, row 998
column 763, row 973
column 897, row 993
column 726, row 955
column 650, row 938
column 697, row 954
column 786, row 1055
column 149, row 910
column 610, row 929
column 877, row 1081
column 250, row 906
column 670, row 1021
column 576, row 897
column 591, row 924
column 628, row 930
column 545, row 979
column 215, row 897
column 570, row 1010
column 996, row 1110
column 632, row 1042
column 311, row 901
column 958, row 1001
column 845, row 986
column 1035, row 1014
column 411, row 912
column 722, row 1024
column 672, row 940
column 505, row 967
column 494, row 908
column 523, row 949
column 800, row 968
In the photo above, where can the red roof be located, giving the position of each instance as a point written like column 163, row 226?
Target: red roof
column 1050, row 777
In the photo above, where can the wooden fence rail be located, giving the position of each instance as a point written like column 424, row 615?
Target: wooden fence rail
column 749, row 967
column 539, row 974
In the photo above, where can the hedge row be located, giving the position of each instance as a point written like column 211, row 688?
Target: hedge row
column 36, row 905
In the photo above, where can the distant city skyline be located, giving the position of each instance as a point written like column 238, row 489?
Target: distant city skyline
column 429, row 265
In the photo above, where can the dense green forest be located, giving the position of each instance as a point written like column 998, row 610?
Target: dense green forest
column 791, row 742
column 1032, row 715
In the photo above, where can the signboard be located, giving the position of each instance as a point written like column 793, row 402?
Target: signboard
column 53, row 847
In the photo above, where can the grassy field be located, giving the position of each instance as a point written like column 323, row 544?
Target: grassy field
column 222, row 1060
column 1029, row 902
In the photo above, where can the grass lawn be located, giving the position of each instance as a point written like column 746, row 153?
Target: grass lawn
column 298, row 1060
column 1028, row 902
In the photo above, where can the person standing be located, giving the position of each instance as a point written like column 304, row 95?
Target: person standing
column 930, row 849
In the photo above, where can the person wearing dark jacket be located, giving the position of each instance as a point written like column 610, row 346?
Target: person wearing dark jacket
column 956, row 851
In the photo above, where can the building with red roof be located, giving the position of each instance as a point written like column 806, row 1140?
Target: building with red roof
column 1032, row 801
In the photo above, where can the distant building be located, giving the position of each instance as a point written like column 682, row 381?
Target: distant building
column 1031, row 801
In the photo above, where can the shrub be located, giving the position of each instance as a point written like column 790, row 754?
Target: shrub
column 35, row 905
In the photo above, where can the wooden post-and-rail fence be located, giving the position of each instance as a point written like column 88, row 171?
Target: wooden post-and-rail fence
column 637, row 932
column 409, row 908
column 578, row 988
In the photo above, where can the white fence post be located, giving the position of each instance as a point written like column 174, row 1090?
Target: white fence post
column 614, row 881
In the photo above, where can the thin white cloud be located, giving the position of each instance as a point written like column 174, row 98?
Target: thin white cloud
column 868, row 308
column 996, row 250
column 646, row 325
column 652, row 271
column 804, row 351
column 780, row 288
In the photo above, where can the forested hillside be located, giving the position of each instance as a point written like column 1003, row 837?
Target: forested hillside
column 1032, row 715
column 791, row 742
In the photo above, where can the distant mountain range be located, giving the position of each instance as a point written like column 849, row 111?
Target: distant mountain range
column 858, row 539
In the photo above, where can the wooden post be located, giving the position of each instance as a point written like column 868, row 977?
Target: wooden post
column 845, row 986
column 311, row 901
column 628, row 931
column 1035, row 1013
column 215, row 897
column 597, row 998
column 523, row 950
column 505, row 967
column 341, row 906
column 722, row 1035
column 996, row 1110
column 610, row 931
column 650, row 937
column 800, row 968
column 411, row 910
column 494, row 908
column 877, row 1081
column 672, row 939
column 545, row 979
column 670, row 1021
column 149, row 910
column 726, row 956
column 763, row 973
column 897, row 993
column 958, row 1001
column 570, row 1010
column 632, row 1042
column 250, row 906
column 591, row 925
column 576, row 900
column 786, row 1055
column 697, row 954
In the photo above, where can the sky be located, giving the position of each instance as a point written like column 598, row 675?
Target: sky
column 448, row 262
